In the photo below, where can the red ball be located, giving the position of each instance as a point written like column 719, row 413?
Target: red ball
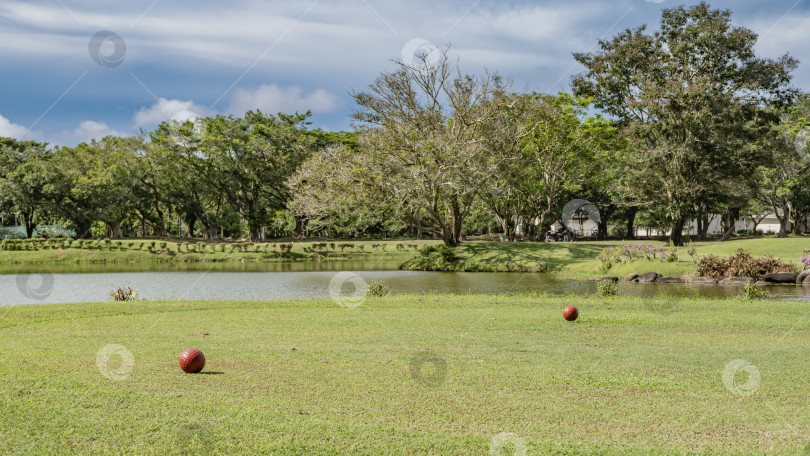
column 192, row 361
column 570, row 313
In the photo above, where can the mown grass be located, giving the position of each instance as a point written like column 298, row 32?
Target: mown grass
column 579, row 258
column 575, row 259
column 311, row 378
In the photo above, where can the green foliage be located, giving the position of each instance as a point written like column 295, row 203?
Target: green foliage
column 378, row 289
column 607, row 288
column 753, row 291
column 123, row 294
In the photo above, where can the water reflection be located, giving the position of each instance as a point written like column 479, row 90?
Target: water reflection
column 305, row 280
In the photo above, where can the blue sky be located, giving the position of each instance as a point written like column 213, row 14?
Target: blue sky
column 186, row 58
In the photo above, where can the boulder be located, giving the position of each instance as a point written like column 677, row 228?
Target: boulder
column 802, row 275
column 648, row 277
column 806, row 281
column 703, row 280
column 780, row 277
column 761, row 283
column 670, row 280
column 609, row 279
column 737, row 281
column 630, row 277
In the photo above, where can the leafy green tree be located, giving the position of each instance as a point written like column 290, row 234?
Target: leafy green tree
column 421, row 129
column 27, row 175
column 693, row 98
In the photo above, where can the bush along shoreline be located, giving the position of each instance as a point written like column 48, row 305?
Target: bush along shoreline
column 741, row 268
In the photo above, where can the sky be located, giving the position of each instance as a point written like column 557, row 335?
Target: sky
column 74, row 70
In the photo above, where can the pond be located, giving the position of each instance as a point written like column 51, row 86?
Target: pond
column 89, row 283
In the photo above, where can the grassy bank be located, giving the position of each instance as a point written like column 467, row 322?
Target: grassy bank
column 579, row 258
column 165, row 251
column 576, row 259
column 430, row 375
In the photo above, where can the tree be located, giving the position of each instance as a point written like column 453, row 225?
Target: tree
column 97, row 183
column 26, row 181
column 421, row 128
column 782, row 181
column 693, row 98
column 547, row 149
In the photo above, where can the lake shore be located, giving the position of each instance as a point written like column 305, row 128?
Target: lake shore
column 572, row 259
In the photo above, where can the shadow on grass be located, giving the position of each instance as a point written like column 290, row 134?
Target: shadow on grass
column 553, row 254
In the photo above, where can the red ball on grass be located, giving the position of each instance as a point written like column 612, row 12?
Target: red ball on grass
column 570, row 313
column 192, row 361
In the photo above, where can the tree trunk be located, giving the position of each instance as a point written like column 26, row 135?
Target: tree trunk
column 676, row 234
column 631, row 220
column 604, row 218
column 300, row 226
column 115, row 229
column 729, row 220
column 29, row 224
column 191, row 220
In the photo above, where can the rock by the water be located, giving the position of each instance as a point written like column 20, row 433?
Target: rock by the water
column 706, row 280
column 802, row 276
column 806, row 281
column 630, row 277
column 648, row 277
column 762, row 283
column 780, row 277
column 670, row 280
column 737, row 280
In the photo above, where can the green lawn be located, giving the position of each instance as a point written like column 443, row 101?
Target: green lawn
column 312, row 378
column 178, row 252
column 579, row 258
column 575, row 259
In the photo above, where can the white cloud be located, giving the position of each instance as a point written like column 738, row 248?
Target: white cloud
column 9, row 129
column 86, row 131
column 272, row 99
column 165, row 110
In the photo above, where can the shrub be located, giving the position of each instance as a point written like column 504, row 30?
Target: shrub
column 753, row 291
column 378, row 288
column 438, row 258
column 123, row 294
column 607, row 288
column 741, row 264
column 48, row 233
